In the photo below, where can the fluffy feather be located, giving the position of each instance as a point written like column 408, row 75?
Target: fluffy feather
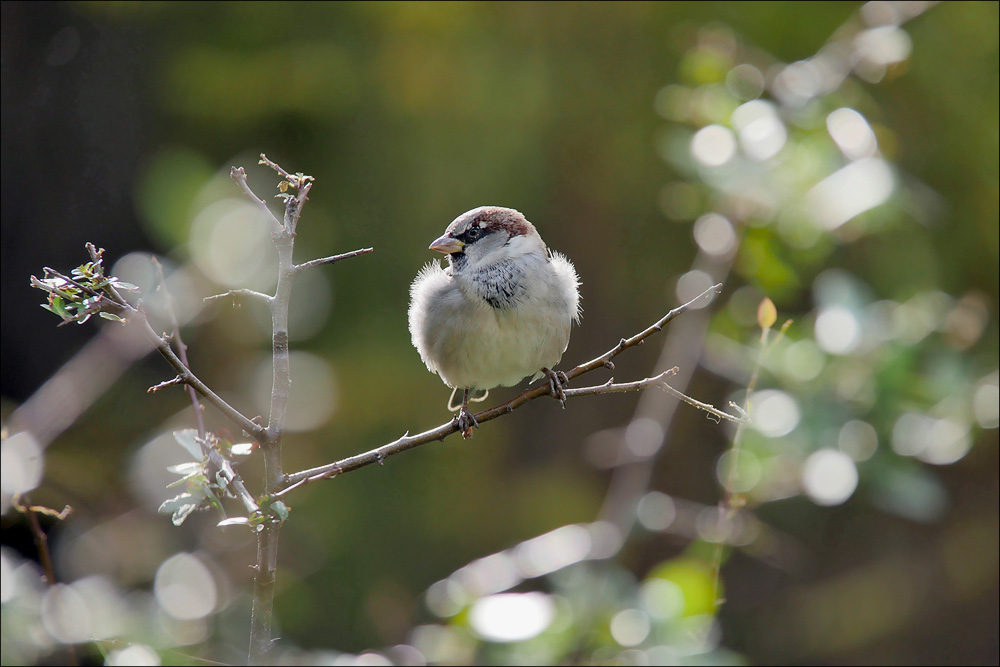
column 501, row 310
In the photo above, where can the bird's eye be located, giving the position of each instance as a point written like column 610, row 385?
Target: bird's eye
column 473, row 233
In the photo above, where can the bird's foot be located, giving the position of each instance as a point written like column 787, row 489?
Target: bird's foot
column 465, row 421
column 557, row 383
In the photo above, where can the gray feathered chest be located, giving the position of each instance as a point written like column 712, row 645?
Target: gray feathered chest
column 500, row 284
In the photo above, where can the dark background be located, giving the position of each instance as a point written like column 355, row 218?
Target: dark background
column 120, row 124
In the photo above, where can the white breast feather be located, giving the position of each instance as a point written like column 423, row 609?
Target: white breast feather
column 471, row 344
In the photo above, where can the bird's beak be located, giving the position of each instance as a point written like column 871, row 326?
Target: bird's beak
column 447, row 245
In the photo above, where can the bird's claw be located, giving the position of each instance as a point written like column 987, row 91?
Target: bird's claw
column 465, row 421
column 557, row 383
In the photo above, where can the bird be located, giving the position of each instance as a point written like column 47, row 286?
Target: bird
column 500, row 311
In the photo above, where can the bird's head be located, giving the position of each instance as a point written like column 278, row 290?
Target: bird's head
column 486, row 235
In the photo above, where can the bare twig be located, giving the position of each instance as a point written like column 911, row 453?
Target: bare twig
column 168, row 306
column 31, row 512
column 721, row 414
column 605, row 359
column 291, row 178
column 225, row 467
column 240, row 176
column 177, row 379
column 249, row 293
column 732, row 502
column 333, row 259
column 139, row 317
column 293, row 204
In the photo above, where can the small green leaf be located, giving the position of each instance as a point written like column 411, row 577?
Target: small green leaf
column 194, row 481
column 180, row 515
column 279, row 509
column 172, row 504
column 112, row 317
column 213, row 500
column 234, row 521
column 180, row 506
column 57, row 307
column 185, row 468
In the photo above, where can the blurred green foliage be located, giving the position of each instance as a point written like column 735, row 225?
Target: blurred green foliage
column 590, row 118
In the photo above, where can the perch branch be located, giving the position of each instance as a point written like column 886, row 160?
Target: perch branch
column 407, row 441
column 605, row 359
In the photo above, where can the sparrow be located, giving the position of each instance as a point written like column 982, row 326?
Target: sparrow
column 500, row 311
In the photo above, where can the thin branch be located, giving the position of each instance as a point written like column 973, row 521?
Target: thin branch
column 177, row 379
column 378, row 455
column 291, row 178
column 255, row 430
column 35, row 282
column 74, row 283
column 745, row 419
column 31, row 512
column 332, row 259
column 732, row 502
column 605, row 359
column 240, row 176
column 249, row 293
column 168, row 304
column 225, row 466
column 293, row 208
column 293, row 204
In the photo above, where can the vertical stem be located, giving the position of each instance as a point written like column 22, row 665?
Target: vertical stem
column 267, row 538
column 263, row 594
column 731, row 502
column 282, row 378
column 24, row 505
column 41, row 543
